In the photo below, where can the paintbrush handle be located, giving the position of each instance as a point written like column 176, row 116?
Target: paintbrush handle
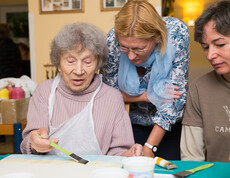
column 201, row 167
column 67, row 153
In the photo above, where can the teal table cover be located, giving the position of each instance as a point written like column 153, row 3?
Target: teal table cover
column 3, row 156
column 218, row 170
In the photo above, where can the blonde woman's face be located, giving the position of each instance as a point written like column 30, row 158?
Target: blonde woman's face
column 137, row 50
column 78, row 69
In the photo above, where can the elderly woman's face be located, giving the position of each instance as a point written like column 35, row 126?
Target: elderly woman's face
column 78, row 69
column 217, row 49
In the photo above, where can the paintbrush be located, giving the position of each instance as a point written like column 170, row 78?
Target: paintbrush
column 192, row 171
column 67, row 153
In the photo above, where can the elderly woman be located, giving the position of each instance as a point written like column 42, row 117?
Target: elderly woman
column 206, row 123
column 76, row 110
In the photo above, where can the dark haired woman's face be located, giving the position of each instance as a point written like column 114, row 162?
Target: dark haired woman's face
column 217, row 49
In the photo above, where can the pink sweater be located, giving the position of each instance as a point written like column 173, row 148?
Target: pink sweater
column 112, row 123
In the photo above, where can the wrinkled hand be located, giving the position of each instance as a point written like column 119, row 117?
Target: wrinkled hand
column 41, row 145
column 135, row 150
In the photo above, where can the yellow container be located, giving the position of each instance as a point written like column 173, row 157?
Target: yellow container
column 4, row 93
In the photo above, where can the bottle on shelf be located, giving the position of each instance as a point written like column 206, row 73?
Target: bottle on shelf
column 10, row 89
column 18, row 92
column 4, row 93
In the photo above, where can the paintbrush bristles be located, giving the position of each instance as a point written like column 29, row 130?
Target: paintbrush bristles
column 78, row 159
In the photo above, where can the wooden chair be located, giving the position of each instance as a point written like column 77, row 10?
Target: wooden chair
column 15, row 130
column 51, row 71
column 127, row 106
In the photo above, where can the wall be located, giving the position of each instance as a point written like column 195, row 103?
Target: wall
column 181, row 5
column 47, row 25
column 7, row 6
column 197, row 57
column 12, row 2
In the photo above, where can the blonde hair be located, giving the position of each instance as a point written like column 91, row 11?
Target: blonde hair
column 139, row 19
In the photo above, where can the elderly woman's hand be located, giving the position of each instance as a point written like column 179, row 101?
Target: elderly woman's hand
column 41, row 145
column 135, row 150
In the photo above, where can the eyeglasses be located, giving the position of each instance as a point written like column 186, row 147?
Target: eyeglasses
column 135, row 51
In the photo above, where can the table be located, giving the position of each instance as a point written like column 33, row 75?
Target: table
column 62, row 166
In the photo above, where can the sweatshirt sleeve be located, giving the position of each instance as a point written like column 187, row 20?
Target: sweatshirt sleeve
column 192, row 144
column 122, row 137
column 37, row 116
column 116, row 135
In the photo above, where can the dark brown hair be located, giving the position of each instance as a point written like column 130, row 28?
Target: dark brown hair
column 220, row 14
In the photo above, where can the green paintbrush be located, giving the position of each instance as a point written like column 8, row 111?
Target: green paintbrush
column 191, row 171
column 67, row 153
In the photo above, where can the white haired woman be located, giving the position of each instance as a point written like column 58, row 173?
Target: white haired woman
column 77, row 110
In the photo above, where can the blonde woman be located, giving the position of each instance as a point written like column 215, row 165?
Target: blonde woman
column 148, row 62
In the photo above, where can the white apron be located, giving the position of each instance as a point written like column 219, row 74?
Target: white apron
column 76, row 134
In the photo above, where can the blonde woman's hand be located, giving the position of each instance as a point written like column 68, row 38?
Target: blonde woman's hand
column 177, row 94
column 148, row 152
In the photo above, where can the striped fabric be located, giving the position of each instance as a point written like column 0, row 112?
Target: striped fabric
column 112, row 123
